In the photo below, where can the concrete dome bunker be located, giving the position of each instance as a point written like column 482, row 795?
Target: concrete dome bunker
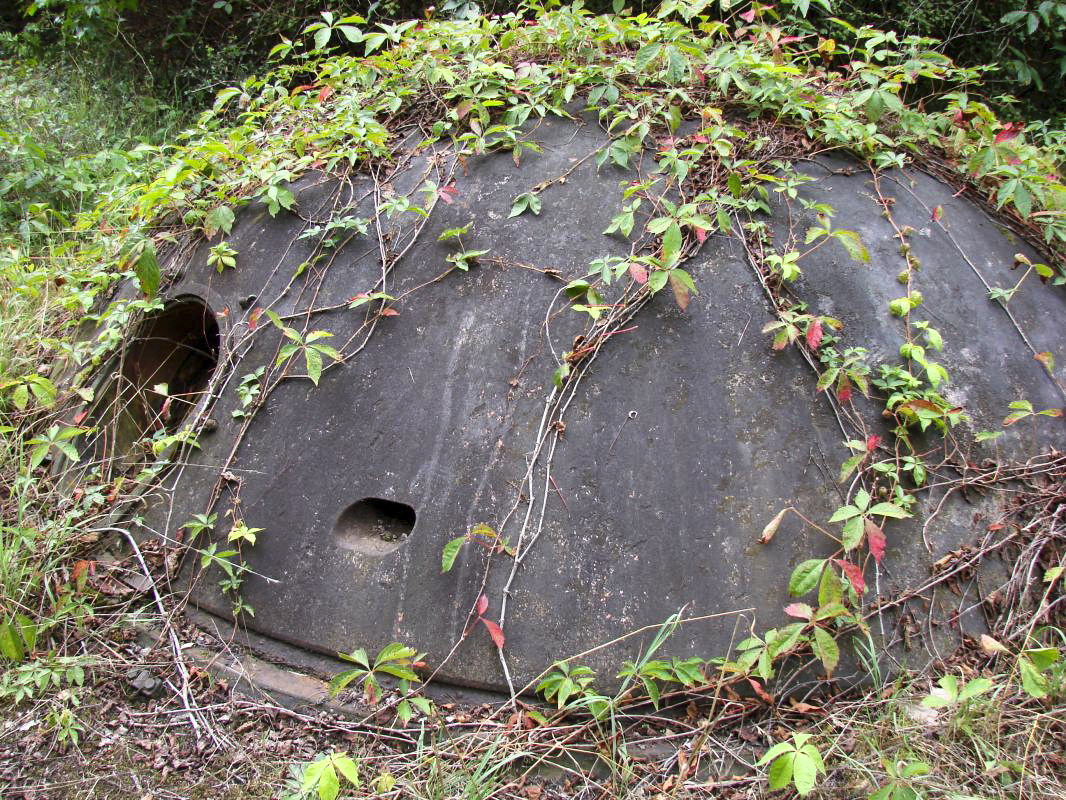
column 681, row 441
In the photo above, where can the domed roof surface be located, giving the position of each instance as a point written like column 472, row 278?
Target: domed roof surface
column 634, row 486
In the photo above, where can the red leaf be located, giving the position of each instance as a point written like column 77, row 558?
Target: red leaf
column 938, row 212
column 496, row 632
column 875, row 538
column 1010, row 130
column 80, row 417
column 765, row 696
column 872, row 442
column 325, row 93
column 638, row 273
column 464, row 108
column 389, row 312
column 798, row 610
column 844, row 393
column 814, row 334
column 701, row 234
column 921, row 404
column 853, row 574
column 962, row 118
column 253, row 318
column 482, row 604
column 447, row 194
column 681, row 293
column 80, row 568
column 748, row 16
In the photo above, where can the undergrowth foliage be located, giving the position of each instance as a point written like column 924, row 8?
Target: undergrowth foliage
column 725, row 102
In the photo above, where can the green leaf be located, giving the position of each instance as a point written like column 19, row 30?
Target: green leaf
column 327, row 351
column 450, row 553
column 659, row 225
column 21, row 396
column 830, row 589
column 645, row 55
column 853, row 244
column 27, row 630
column 314, row 364
column 394, row 651
column 780, row 774
column 146, row 268
column 862, row 499
column 785, row 639
column 805, row 576
column 1043, row 657
column 286, row 353
column 454, row 233
column 374, row 41
column 220, row 218
column 804, row 773
column 827, row 378
column 916, row 768
column 975, row 688
column 735, row 187
column 853, row 532
column 843, row 513
column 339, row 682
column 528, row 201
column 348, row 768
column 329, row 785
column 1034, row 683
column 44, row 390
column 313, row 773
column 657, row 280
column 849, row 466
column 675, row 69
column 671, row 244
column 225, row 96
column 351, row 33
column 1023, row 200
column 652, row 688
column 826, row 648
column 775, row 751
column 10, row 643
column 889, row 510
column 67, row 449
column 37, row 455
column 322, row 37
column 684, row 278
column 561, row 373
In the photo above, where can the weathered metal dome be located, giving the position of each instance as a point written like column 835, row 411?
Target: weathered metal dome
column 680, row 440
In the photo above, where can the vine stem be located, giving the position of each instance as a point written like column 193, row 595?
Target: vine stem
column 980, row 277
column 200, row 724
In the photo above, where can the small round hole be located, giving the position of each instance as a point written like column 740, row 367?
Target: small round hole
column 373, row 526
